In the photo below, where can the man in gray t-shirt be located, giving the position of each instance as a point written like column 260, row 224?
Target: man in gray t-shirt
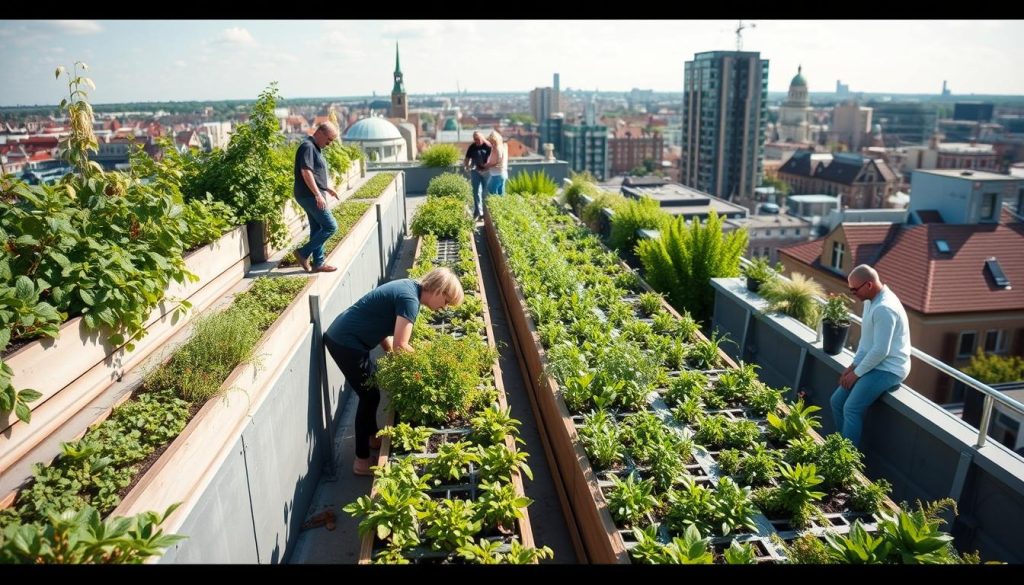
column 310, row 185
column 388, row 310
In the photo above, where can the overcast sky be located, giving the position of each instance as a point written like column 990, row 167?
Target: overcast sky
column 137, row 60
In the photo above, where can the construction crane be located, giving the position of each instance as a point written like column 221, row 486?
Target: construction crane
column 739, row 33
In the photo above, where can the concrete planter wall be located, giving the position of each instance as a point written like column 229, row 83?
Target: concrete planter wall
column 80, row 364
column 245, row 468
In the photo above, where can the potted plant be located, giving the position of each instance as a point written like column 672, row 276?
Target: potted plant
column 835, row 324
column 759, row 272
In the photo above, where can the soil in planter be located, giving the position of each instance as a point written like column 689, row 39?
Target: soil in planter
column 152, row 458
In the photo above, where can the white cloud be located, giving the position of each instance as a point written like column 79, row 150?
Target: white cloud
column 180, row 63
column 237, row 36
column 74, row 27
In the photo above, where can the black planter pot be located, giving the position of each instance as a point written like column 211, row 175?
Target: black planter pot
column 833, row 337
column 256, row 233
column 753, row 285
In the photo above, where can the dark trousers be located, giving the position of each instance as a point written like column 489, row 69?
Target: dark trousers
column 358, row 368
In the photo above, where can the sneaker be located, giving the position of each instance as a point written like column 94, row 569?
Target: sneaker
column 324, row 268
column 375, row 442
column 303, row 261
column 361, row 467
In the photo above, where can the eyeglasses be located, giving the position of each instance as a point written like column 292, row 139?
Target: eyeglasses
column 855, row 289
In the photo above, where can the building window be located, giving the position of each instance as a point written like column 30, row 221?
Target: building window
column 1020, row 202
column 838, row 250
column 988, row 206
column 995, row 341
column 965, row 348
column 798, row 231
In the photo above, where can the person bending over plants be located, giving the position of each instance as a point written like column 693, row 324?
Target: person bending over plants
column 384, row 316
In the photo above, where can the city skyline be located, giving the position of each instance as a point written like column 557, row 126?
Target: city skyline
column 143, row 61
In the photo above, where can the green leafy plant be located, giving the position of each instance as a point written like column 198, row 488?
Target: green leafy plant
column 483, row 552
column 691, row 549
column 396, row 508
column 859, row 546
column 450, row 524
column 600, row 437
column 254, row 174
column 870, row 497
column 761, row 270
column 442, row 216
column 915, row 535
column 499, row 504
column 839, row 462
column 682, row 262
column 498, row 462
column 440, row 155
column 438, row 382
column 836, row 310
column 580, row 184
column 808, row 549
column 84, row 537
column 526, row 555
column 577, row 392
column 994, row 369
column 633, row 215
column 795, row 424
column 649, row 303
column 492, row 424
column 405, row 437
column 451, row 185
column 373, row 188
column 630, row 501
column 452, row 462
column 740, row 554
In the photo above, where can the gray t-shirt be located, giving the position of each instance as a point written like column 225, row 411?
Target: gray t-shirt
column 308, row 156
column 372, row 318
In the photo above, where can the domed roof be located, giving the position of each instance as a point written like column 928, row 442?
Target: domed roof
column 372, row 129
column 450, row 124
column 799, row 79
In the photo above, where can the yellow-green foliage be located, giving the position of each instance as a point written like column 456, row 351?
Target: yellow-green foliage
column 440, row 155
column 645, row 213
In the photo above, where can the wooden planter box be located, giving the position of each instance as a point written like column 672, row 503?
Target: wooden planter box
column 522, row 524
column 190, row 462
column 601, row 538
column 75, row 368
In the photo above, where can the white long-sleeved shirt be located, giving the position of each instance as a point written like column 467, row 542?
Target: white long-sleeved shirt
column 884, row 337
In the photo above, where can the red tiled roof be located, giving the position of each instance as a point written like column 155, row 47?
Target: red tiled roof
column 806, row 252
column 41, row 155
column 863, row 241
column 929, row 281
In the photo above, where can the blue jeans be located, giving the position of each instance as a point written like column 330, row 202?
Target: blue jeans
column 321, row 227
column 479, row 190
column 496, row 185
column 849, row 406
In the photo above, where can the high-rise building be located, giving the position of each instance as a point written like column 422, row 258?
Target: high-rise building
column 585, row 145
column 724, row 117
column 904, row 123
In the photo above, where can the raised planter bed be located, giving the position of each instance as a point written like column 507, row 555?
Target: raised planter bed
column 189, row 463
column 467, row 490
column 73, row 369
column 603, row 540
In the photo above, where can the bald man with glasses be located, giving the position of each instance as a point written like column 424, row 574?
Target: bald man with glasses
column 882, row 360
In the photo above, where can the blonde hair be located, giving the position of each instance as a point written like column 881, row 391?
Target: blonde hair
column 495, row 137
column 444, row 281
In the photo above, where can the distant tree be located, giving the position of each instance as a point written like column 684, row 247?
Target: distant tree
column 520, row 118
column 995, row 369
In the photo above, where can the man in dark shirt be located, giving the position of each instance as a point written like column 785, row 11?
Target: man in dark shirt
column 476, row 156
column 310, row 186
column 389, row 309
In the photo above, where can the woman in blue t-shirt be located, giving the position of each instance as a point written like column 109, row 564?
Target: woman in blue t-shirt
column 384, row 316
